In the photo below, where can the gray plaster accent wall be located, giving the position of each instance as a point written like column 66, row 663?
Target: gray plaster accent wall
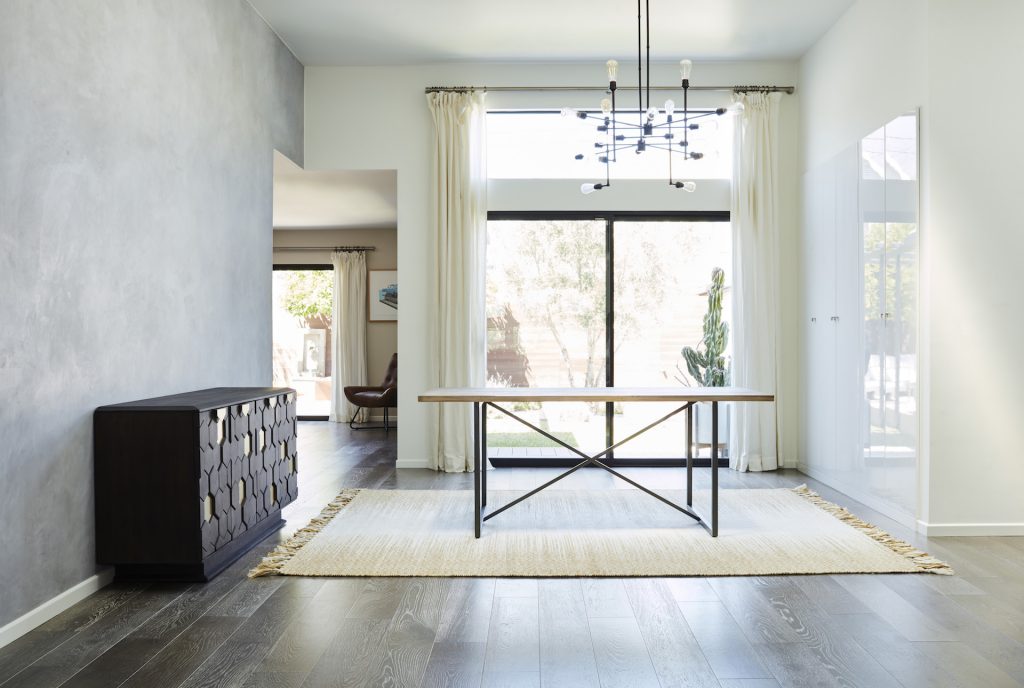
column 136, row 151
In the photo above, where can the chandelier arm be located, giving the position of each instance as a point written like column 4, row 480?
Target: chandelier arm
column 661, row 146
column 697, row 114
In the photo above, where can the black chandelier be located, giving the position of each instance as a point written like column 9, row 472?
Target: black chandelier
column 645, row 132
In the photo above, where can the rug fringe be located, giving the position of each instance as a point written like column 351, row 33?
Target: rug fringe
column 272, row 564
column 924, row 561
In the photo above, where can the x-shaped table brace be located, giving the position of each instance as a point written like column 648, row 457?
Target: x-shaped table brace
column 480, row 464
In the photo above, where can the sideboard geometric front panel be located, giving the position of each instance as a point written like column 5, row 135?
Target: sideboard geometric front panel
column 230, row 453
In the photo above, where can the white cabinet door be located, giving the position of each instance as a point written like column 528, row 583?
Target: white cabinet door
column 820, row 297
column 848, row 311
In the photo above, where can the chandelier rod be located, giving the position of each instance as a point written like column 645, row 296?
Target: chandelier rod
column 604, row 89
column 324, row 248
column 647, row 36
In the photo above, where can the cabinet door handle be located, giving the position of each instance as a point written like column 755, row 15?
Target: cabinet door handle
column 834, row 318
column 814, row 320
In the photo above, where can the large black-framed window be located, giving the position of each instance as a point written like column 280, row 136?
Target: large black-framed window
column 302, row 295
column 550, row 274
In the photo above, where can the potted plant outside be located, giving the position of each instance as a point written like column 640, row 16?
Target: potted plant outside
column 707, row 364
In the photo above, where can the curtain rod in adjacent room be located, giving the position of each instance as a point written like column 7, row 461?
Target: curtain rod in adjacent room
column 602, row 89
column 324, row 248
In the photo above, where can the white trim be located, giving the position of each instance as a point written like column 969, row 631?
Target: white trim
column 413, row 463
column 54, row 606
column 969, row 529
column 883, row 507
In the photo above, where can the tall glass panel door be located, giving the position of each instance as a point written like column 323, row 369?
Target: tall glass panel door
column 890, row 258
column 546, row 312
column 662, row 272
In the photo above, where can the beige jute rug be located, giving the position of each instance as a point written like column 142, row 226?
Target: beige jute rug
column 612, row 532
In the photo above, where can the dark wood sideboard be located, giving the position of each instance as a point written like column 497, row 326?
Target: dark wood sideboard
column 186, row 484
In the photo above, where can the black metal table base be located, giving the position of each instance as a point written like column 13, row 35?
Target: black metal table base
column 480, row 468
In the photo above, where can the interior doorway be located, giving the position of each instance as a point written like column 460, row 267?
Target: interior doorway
column 318, row 213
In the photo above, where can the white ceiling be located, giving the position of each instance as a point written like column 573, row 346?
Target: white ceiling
column 391, row 32
column 366, row 199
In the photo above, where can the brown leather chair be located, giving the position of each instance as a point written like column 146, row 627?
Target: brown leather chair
column 385, row 396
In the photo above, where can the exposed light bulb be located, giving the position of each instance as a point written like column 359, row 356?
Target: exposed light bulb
column 686, row 186
column 652, row 112
column 736, row 108
column 613, row 69
column 590, row 188
column 606, row 106
column 670, row 107
column 685, row 66
column 568, row 112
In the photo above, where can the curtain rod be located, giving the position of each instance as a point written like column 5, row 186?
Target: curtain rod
column 734, row 89
column 324, row 248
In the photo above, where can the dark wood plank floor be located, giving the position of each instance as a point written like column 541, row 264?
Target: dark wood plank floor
column 871, row 631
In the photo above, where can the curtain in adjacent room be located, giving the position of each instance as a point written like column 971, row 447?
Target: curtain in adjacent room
column 348, row 332
column 458, row 342
column 753, row 444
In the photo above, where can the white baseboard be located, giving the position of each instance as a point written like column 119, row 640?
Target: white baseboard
column 871, row 501
column 412, row 463
column 54, row 606
column 969, row 529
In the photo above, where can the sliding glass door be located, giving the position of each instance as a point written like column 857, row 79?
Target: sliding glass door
column 662, row 270
column 303, row 298
column 588, row 301
column 546, row 319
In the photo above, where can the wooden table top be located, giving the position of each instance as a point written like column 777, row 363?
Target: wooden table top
column 680, row 394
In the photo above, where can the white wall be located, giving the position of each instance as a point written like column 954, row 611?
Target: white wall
column 973, row 187
column 951, row 58
column 377, row 118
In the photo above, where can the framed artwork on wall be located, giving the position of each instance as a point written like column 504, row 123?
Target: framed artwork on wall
column 382, row 292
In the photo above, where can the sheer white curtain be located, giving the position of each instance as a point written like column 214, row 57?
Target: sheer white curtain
column 459, row 225
column 348, row 331
column 752, row 444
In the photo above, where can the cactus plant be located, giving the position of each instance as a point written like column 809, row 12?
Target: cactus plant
column 706, row 362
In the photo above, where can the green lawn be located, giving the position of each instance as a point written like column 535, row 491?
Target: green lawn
column 527, row 439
